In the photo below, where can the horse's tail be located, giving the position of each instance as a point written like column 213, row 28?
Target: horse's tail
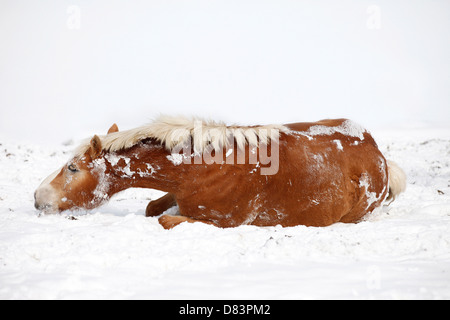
column 397, row 180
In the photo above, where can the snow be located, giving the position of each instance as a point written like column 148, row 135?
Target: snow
column 372, row 197
column 339, row 144
column 175, row 158
column 347, row 128
column 115, row 252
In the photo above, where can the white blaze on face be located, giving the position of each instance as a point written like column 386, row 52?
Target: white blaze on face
column 46, row 197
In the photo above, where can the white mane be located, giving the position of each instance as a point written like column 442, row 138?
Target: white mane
column 174, row 131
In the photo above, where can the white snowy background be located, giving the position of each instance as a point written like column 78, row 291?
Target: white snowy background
column 69, row 69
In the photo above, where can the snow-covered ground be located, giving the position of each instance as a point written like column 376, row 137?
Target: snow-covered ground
column 401, row 251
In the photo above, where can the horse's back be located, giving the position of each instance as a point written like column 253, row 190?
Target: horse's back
column 305, row 126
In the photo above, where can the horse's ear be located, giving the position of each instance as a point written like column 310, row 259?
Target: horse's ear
column 96, row 147
column 114, row 128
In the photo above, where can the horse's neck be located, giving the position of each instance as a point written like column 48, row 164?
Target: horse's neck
column 145, row 166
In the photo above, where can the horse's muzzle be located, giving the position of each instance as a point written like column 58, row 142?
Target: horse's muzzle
column 42, row 201
column 38, row 205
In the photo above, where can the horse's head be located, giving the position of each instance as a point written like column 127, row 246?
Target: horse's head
column 83, row 182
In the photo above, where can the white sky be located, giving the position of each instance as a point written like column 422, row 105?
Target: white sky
column 72, row 68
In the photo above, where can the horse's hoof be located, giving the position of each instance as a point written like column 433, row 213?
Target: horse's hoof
column 169, row 222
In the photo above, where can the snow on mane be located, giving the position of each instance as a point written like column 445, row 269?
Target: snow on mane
column 174, row 131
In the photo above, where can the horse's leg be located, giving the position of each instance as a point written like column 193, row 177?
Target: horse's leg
column 156, row 207
column 169, row 222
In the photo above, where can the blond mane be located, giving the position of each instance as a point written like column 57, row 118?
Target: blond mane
column 175, row 131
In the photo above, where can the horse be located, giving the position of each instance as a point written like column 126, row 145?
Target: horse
column 312, row 173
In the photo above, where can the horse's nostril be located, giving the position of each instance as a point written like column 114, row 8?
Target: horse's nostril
column 36, row 203
column 43, row 207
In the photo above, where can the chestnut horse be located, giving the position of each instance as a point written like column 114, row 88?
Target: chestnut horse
column 312, row 174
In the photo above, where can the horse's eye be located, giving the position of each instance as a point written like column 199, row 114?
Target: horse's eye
column 72, row 168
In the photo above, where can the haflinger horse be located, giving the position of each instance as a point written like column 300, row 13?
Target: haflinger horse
column 312, row 174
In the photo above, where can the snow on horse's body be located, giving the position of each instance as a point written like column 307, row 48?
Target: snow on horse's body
column 329, row 171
